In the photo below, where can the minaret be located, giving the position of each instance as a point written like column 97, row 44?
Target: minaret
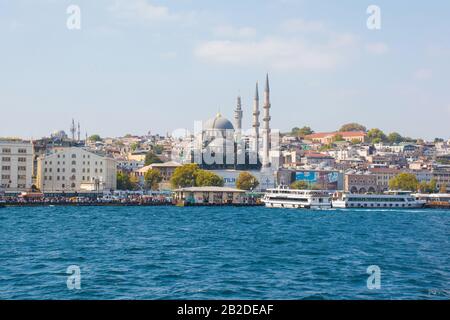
column 238, row 114
column 266, row 123
column 256, row 119
column 73, row 130
column 79, row 132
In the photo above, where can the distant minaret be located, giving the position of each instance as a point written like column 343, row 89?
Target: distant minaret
column 79, row 132
column 238, row 114
column 73, row 130
column 266, row 123
column 256, row 119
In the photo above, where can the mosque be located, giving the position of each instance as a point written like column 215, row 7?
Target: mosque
column 223, row 145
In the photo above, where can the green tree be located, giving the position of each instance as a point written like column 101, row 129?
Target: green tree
column 124, row 181
column 300, row 185
column 352, row 127
column 394, row 137
column 338, row 138
column 436, row 140
column 134, row 146
column 184, row 176
column 301, row 132
column 204, row 178
column 376, row 135
column 152, row 178
column 425, row 187
column 94, row 138
column 247, row 181
column 151, row 158
column 404, row 181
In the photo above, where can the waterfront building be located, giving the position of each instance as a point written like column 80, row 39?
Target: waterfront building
column 209, row 196
column 75, row 169
column 383, row 176
column 166, row 170
column 16, row 165
column 360, row 183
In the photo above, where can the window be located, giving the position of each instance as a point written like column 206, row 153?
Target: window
column 6, row 150
column 6, row 159
column 21, row 168
column 74, row 163
column 21, row 177
column 22, row 159
column 22, row 150
column 6, row 177
column 74, row 156
column 6, row 168
column 73, row 170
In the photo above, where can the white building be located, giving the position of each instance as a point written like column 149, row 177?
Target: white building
column 76, row 170
column 16, row 165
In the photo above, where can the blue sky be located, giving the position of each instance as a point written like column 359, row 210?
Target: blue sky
column 140, row 65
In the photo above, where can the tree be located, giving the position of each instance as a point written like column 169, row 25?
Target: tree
column 246, row 181
column 425, row 187
column 338, row 137
column 184, row 176
column 151, row 158
column 134, row 146
column 94, row 138
column 404, row 181
column 204, row 178
column 124, row 181
column 376, row 135
column 437, row 140
column 152, row 178
column 352, row 127
column 301, row 132
column 394, row 137
column 300, row 185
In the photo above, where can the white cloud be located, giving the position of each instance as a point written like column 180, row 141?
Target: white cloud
column 227, row 31
column 423, row 74
column 279, row 53
column 377, row 48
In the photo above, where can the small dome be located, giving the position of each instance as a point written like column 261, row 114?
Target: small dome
column 218, row 123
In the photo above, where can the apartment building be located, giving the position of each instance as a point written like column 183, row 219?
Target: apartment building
column 75, row 169
column 16, row 165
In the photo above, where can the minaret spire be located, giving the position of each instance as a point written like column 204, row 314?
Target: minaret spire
column 266, row 123
column 238, row 114
column 256, row 119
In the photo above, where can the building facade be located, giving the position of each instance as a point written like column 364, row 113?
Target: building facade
column 360, row 183
column 16, row 165
column 75, row 170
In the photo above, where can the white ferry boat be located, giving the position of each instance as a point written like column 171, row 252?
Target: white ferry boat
column 390, row 199
column 283, row 197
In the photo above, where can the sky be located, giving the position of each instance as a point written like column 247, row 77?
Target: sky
column 136, row 66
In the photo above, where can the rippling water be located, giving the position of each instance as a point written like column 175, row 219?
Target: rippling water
column 223, row 253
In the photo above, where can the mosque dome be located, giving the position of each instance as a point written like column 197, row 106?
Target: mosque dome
column 218, row 123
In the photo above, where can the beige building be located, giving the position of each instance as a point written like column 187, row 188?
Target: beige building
column 360, row 183
column 75, row 169
column 383, row 176
column 166, row 170
column 16, row 165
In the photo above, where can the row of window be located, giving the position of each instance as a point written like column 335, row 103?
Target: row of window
column 8, row 159
column 58, row 178
column 8, row 150
column 73, row 170
column 73, row 163
column 19, row 177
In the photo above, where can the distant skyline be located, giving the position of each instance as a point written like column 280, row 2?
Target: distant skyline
column 146, row 65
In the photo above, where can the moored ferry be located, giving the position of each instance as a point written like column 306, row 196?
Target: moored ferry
column 390, row 199
column 283, row 197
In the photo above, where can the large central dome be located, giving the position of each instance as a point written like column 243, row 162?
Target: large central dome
column 218, row 123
